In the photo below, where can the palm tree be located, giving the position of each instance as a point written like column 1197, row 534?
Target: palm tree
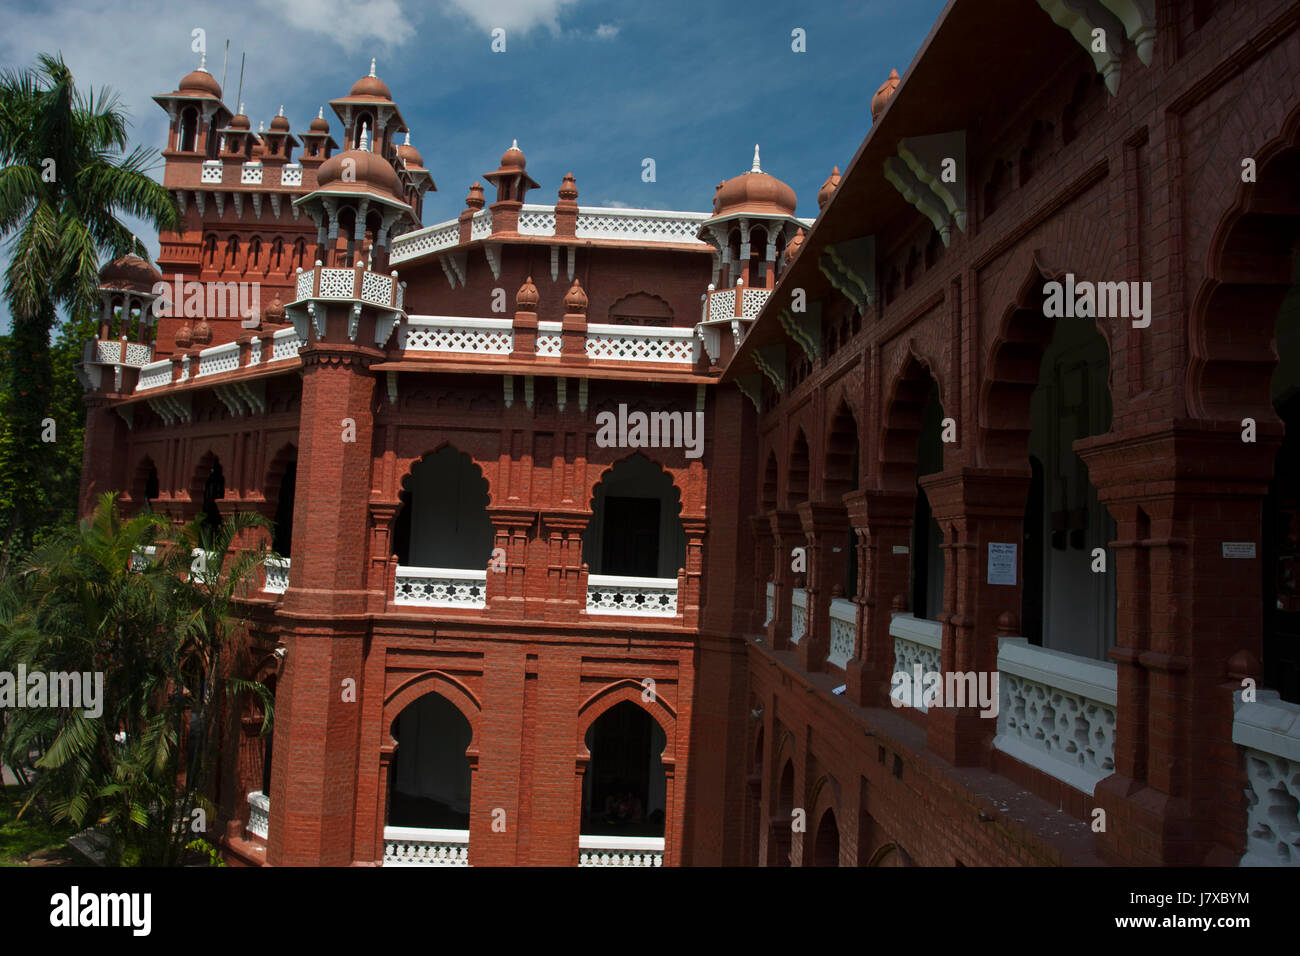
column 86, row 601
column 65, row 177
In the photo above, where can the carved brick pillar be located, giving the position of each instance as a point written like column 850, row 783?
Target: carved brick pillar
column 974, row 508
column 823, row 526
column 883, row 523
column 761, row 527
column 382, row 561
column 787, row 534
column 566, row 573
column 506, row 574
column 688, row 580
column 1186, row 605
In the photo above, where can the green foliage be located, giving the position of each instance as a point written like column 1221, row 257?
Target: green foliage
column 158, row 635
column 58, row 227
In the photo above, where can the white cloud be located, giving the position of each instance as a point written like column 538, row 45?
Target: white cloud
column 512, row 15
column 353, row 24
column 606, row 31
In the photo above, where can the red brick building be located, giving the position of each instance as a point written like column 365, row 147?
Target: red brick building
column 608, row 534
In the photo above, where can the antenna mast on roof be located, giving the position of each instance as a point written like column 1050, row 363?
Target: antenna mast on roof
column 224, row 62
column 239, row 98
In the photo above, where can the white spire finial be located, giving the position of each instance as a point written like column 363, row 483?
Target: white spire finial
column 408, row 137
column 365, row 132
column 372, row 66
column 756, row 168
column 261, row 126
column 514, row 144
column 203, row 62
column 281, row 113
column 241, row 106
column 320, row 113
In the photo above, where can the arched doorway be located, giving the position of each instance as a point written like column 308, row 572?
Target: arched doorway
column 429, row 786
column 624, row 797
column 635, row 530
column 826, row 844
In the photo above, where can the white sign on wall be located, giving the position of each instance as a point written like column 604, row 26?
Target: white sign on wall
column 1002, row 563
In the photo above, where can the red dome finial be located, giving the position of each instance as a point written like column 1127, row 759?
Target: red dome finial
column 526, row 298
column 475, row 198
column 883, row 94
column 575, row 300
column 828, row 188
column 792, row 249
column 569, row 188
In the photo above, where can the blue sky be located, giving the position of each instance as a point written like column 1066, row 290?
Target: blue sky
column 590, row 87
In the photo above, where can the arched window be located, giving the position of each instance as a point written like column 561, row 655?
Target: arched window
column 624, row 789
column 634, row 529
column 189, row 130
column 430, row 773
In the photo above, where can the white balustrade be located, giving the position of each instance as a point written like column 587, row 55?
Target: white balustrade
column 1268, row 731
column 285, row 344
column 844, row 630
column 536, row 220
column 632, row 343
column 421, row 846
column 771, row 603
column 259, row 814
column 620, row 851
column 138, row 354
column 549, row 341
column 916, row 642
column 480, row 227
column 304, row 286
column 108, row 351
column 435, row 238
column 255, row 351
column 751, row 303
column 218, row 358
column 722, row 305
column 291, row 174
column 336, row 283
column 250, row 174
column 640, row 225
column 377, row 288
column 211, row 172
column 277, row 575
column 437, row 333
column 642, row 597
column 798, row 614
column 155, row 374
column 1056, row 712
column 441, row 587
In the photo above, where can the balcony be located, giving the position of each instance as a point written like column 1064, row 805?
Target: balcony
column 440, row 587
column 798, row 614
column 917, row 642
column 728, row 310
column 642, row 597
column 277, row 575
column 1268, row 731
column 1056, row 712
column 844, row 630
column 259, row 815
column 419, row 846
column 428, row 333
column 620, row 851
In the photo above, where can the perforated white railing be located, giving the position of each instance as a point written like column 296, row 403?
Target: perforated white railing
column 420, row 846
column 285, row 344
column 155, row 374
column 798, row 614
column 259, row 814
column 623, row 343
column 620, row 851
column 917, row 641
column 441, row 587
column 437, row 333
column 1268, row 732
column 277, row 575
column 218, row 358
column 643, row 597
column 844, row 630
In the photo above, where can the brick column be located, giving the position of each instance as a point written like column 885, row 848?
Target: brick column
column 787, row 534
column 823, row 524
column 761, row 527
column 974, row 507
column 688, row 579
column 883, row 522
column 506, row 583
column 319, row 700
column 566, row 572
column 1185, row 609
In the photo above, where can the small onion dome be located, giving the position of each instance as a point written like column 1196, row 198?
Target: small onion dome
column 526, row 298
column 184, row 337
column 129, row 272
column 513, row 158
column 755, row 191
column 883, row 94
column 239, row 120
column 828, row 188
column 575, row 300
column 368, row 169
column 475, row 198
column 569, row 188
column 410, row 155
column 202, row 333
column 792, row 249
column 273, row 314
column 320, row 124
column 280, row 122
column 200, row 82
column 371, row 85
